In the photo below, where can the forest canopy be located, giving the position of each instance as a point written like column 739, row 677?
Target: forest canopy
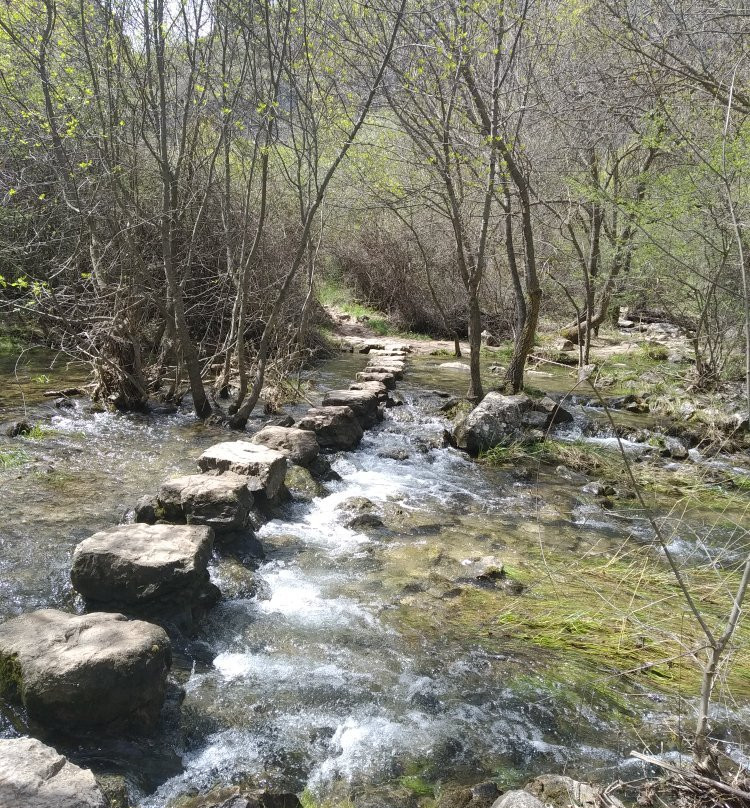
column 180, row 179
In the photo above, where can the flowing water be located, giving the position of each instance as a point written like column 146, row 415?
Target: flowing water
column 344, row 668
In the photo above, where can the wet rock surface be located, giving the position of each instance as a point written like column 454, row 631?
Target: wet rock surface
column 302, row 485
column 84, row 670
column 33, row 775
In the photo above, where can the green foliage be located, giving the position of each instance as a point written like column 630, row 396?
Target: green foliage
column 10, row 458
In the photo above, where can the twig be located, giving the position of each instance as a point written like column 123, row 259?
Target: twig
column 687, row 774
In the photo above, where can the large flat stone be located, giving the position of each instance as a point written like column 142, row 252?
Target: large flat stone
column 84, row 670
column 396, row 372
column 222, row 502
column 363, row 403
column 388, row 379
column 299, row 445
column 135, row 564
column 33, row 775
column 380, row 390
column 266, row 467
column 334, row 427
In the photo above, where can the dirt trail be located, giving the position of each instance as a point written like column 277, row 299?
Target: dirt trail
column 357, row 332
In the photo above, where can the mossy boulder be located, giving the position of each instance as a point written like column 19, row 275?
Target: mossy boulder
column 302, row 485
column 84, row 670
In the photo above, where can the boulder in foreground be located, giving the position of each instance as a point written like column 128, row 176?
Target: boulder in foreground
column 33, row 775
column 335, row 428
column 494, row 421
column 137, row 564
column 265, row 467
column 84, row 670
column 299, row 445
column 222, row 502
column 499, row 420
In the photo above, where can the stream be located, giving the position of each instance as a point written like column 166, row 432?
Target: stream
column 340, row 665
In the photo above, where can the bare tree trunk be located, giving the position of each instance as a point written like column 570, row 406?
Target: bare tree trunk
column 475, row 393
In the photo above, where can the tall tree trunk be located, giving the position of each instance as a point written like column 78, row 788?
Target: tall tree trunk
column 475, row 392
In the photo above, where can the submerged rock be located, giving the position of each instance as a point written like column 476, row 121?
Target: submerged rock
column 363, row 403
column 365, row 520
column 137, row 564
column 335, row 428
column 33, row 775
column 265, row 467
column 238, row 797
column 297, row 444
column 394, row 454
column 598, row 488
column 220, row 502
column 84, row 670
column 302, row 485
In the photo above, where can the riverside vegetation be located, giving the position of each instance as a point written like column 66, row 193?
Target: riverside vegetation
column 450, row 306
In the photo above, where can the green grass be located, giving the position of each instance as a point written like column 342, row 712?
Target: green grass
column 338, row 295
column 11, row 458
column 38, row 432
column 692, row 482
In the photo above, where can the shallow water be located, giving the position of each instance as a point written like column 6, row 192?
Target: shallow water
column 333, row 677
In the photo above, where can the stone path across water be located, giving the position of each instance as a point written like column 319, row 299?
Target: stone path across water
column 108, row 668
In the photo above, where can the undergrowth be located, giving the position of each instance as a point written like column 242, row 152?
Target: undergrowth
column 11, row 458
column 687, row 480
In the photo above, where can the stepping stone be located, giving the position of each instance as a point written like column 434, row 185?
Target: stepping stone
column 388, row 352
column 84, row 670
column 380, row 390
column 33, row 775
column 130, row 565
column 363, row 403
column 335, row 427
column 397, row 373
column 267, row 466
column 299, row 445
column 387, row 378
column 222, row 502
